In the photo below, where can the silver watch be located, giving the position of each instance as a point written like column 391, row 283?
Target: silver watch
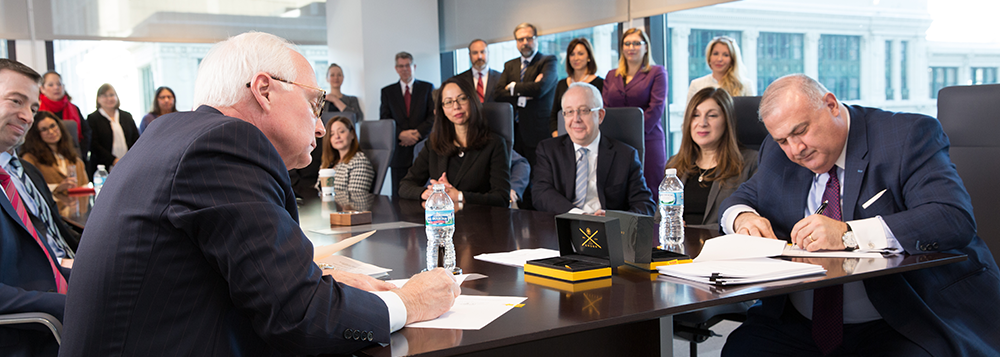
column 848, row 238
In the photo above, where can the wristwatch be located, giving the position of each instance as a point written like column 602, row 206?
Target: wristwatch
column 461, row 197
column 848, row 238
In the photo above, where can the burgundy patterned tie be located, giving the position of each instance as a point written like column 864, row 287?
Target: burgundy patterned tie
column 479, row 88
column 406, row 100
column 828, row 302
column 22, row 213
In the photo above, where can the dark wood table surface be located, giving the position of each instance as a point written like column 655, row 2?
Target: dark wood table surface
column 75, row 209
column 623, row 315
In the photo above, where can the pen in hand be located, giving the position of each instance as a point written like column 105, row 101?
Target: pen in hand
column 822, row 206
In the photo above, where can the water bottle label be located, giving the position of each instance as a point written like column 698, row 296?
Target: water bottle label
column 440, row 218
column 670, row 198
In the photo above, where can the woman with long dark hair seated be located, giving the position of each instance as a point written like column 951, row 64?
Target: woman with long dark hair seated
column 49, row 146
column 342, row 153
column 710, row 161
column 461, row 153
column 164, row 102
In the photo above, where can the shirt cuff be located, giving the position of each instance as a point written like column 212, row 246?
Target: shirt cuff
column 729, row 217
column 576, row 211
column 512, row 88
column 873, row 233
column 397, row 311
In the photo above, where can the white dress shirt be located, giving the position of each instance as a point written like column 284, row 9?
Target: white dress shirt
column 403, row 85
column 118, row 145
column 29, row 202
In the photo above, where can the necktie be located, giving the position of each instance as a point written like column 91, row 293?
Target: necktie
column 524, row 67
column 22, row 213
column 582, row 176
column 43, row 210
column 828, row 302
column 406, row 100
column 479, row 88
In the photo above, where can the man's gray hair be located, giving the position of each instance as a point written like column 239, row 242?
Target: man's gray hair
column 595, row 98
column 809, row 88
column 231, row 64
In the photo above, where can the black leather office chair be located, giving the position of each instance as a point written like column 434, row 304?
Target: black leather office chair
column 377, row 139
column 622, row 124
column 968, row 115
column 500, row 117
column 749, row 130
column 28, row 318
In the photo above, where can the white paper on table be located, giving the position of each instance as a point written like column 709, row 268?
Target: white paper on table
column 472, row 312
column 459, row 279
column 740, row 271
column 739, row 246
column 518, row 257
column 795, row 251
column 340, row 262
column 328, row 250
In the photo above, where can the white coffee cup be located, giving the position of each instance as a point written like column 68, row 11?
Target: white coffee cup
column 326, row 180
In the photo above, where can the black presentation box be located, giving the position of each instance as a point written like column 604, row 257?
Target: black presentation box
column 588, row 246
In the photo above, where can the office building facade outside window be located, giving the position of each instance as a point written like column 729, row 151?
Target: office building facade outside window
column 778, row 54
column 840, row 65
column 904, row 69
column 888, row 71
column 984, row 75
column 942, row 77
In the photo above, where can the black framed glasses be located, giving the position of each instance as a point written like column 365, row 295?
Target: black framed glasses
column 320, row 102
column 448, row 103
column 633, row 43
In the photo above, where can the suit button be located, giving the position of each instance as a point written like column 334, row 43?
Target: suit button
column 348, row 333
column 371, row 336
column 357, row 335
column 934, row 246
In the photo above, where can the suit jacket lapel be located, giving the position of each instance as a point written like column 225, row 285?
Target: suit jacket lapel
column 397, row 101
column 491, row 81
column 856, row 162
column 9, row 209
column 469, row 160
column 713, row 194
column 566, row 162
column 605, row 156
column 414, row 94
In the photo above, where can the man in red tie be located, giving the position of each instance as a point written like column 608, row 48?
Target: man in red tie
column 480, row 76
column 30, row 278
column 409, row 103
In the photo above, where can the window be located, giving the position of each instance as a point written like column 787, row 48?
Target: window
column 942, row 77
column 904, row 88
column 888, row 70
column 778, row 54
column 840, row 65
column 697, row 41
column 148, row 87
column 3, row 49
column 984, row 75
column 603, row 38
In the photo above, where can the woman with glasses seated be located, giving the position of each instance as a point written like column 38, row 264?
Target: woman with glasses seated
column 114, row 130
column 461, row 153
column 710, row 162
column 724, row 59
column 354, row 173
column 49, row 146
column 638, row 83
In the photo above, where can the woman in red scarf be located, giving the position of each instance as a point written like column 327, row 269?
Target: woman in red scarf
column 54, row 99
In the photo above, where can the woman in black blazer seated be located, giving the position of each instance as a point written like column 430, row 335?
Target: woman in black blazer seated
column 114, row 131
column 710, row 161
column 462, row 153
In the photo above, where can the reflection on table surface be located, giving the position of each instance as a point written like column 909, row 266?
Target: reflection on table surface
column 75, row 209
column 629, row 302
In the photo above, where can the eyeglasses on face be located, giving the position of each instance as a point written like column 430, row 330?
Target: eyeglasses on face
column 317, row 105
column 633, row 43
column 570, row 113
column 448, row 103
column 52, row 127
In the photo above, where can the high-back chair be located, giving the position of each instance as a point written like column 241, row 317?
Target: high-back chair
column 500, row 117
column 749, row 130
column 968, row 115
column 622, row 124
column 377, row 139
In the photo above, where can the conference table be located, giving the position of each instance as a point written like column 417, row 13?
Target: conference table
column 629, row 314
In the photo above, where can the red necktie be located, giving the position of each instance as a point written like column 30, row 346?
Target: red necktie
column 828, row 302
column 22, row 213
column 479, row 88
column 406, row 100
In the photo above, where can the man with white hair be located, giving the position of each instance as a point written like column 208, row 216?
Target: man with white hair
column 194, row 246
column 837, row 176
column 583, row 171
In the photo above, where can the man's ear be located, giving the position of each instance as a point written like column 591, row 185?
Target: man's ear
column 260, row 88
column 600, row 116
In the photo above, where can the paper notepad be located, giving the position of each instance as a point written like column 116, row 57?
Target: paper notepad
column 740, row 259
column 340, row 262
column 518, row 257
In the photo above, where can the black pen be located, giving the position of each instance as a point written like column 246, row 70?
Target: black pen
column 822, row 206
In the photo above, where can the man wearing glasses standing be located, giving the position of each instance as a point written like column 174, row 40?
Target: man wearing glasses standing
column 583, row 171
column 206, row 257
column 528, row 83
column 410, row 104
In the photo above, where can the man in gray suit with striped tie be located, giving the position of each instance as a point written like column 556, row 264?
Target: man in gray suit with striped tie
column 194, row 246
column 583, row 171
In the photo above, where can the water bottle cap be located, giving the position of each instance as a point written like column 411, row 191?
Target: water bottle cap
column 100, row 167
column 671, row 172
column 439, row 187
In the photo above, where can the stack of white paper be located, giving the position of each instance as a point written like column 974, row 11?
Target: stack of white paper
column 518, row 257
column 340, row 262
column 740, row 259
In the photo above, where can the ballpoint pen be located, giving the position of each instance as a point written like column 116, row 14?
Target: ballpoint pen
column 822, row 206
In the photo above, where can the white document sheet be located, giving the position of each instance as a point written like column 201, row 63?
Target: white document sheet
column 795, row 251
column 459, row 279
column 340, row 262
column 740, row 271
column 324, row 251
column 472, row 312
column 739, row 246
column 518, row 257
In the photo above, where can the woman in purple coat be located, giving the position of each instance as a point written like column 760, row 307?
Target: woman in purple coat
column 638, row 83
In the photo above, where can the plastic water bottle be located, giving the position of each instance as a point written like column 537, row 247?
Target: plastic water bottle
column 439, row 215
column 99, row 177
column 671, row 210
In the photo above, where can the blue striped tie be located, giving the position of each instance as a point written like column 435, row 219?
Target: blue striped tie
column 582, row 176
column 524, row 67
column 43, row 209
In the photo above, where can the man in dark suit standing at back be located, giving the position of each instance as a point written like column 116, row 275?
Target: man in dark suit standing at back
column 529, row 84
column 30, row 278
column 410, row 104
column 583, row 171
column 481, row 77
column 207, row 257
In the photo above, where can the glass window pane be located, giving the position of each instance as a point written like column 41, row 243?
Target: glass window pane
column 840, row 65
column 778, row 54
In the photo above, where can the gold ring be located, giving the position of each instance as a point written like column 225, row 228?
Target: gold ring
column 811, row 239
